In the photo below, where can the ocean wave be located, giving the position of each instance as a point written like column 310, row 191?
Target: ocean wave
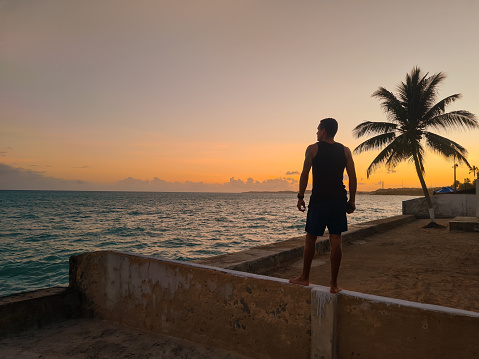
column 124, row 231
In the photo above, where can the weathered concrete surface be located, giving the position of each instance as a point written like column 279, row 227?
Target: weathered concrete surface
column 265, row 258
column 445, row 206
column 468, row 224
column 377, row 327
column 100, row 339
column 477, row 198
column 362, row 230
column 257, row 259
column 36, row 309
column 252, row 315
column 265, row 317
column 323, row 323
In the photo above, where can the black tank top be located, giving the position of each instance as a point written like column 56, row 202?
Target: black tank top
column 328, row 169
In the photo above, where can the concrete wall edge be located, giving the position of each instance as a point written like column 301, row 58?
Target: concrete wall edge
column 196, row 265
column 317, row 288
column 406, row 303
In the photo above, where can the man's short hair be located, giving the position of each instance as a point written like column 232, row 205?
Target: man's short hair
column 330, row 125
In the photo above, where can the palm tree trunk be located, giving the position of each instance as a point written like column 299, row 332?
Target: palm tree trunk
column 424, row 189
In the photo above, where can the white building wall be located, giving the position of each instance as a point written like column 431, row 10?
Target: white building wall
column 445, row 206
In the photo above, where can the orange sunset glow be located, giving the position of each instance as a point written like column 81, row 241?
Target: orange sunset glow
column 215, row 95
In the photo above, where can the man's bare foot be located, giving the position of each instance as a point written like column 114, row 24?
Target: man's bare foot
column 299, row 280
column 335, row 289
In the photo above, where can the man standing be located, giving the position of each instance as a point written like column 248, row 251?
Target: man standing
column 328, row 204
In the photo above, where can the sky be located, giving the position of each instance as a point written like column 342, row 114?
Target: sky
column 216, row 95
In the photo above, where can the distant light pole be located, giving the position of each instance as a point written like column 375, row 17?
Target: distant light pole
column 455, row 184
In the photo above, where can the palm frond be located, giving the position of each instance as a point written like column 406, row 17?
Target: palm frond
column 402, row 151
column 455, row 119
column 445, row 147
column 413, row 96
column 379, row 160
column 390, row 104
column 430, row 92
column 414, row 83
column 370, row 127
column 440, row 107
column 393, row 149
column 375, row 142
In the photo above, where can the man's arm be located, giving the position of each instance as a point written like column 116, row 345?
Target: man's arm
column 353, row 181
column 303, row 180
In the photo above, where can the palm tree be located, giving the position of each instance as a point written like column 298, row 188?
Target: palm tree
column 475, row 171
column 410, row 115
column 475, row 174
column 467, row 182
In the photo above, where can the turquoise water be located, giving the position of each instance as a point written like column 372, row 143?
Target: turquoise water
column 40, row 230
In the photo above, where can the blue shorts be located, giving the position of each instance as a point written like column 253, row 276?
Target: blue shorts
column 329, row 213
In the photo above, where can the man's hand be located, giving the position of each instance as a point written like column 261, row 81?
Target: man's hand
column 351, row 206
column 301, row 205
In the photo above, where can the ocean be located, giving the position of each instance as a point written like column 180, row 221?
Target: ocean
column 40, row 230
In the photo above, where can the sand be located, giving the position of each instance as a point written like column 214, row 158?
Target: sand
column 434, row 266
column 100, row 339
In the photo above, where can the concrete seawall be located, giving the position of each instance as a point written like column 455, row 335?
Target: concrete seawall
column 379, row 327
column 249, row 314
column 264, row 258
column 37, row 309
column 265, row 317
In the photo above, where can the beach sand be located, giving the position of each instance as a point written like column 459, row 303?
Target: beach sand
column 434, row 266
column 101, row 339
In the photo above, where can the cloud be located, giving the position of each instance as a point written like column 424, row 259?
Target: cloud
column 12, row 178
column 41, row 166
column 274, row 184
column 289, row 173
column 233, row 185
column 4, row 153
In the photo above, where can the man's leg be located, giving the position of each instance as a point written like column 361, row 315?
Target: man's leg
column 308, row 255
column 335, row 244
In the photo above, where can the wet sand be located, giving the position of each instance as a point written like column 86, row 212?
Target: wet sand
column 434, row 266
